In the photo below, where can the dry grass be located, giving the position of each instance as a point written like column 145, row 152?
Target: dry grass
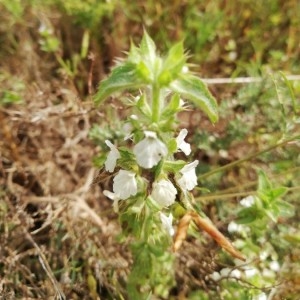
column 58, row 234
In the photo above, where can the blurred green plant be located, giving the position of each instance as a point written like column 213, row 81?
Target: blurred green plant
column 13, row 91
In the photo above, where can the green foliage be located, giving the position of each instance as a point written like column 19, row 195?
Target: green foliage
column 13, row 93
column 145, row 68
column 153, row 267
column 266, row 203
column 86, row 13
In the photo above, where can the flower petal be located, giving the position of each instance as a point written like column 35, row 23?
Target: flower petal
column 167, row 223
column 112, row 157
column 150, row 150
column 125, row 184
column 164, row 192
column 248, row 201
column 114, row 197
column 188, row 180
column 181, row 144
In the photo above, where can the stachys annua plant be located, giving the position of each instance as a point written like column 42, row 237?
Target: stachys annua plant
column 151, row 190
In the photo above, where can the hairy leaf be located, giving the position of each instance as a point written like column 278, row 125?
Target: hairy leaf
column 122, row 77
column 194, row 89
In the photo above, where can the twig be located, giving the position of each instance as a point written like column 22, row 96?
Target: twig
column 243, row 79
column 247, row 158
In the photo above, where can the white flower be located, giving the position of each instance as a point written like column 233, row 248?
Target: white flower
column 261, row 296
column 215, row 276
column 181, row 144
column 127, row 129
column 164, row 192
column 188, row 180
column 125, row 184
column 274, row 265
column 112, row 157
column 236, row 273
column 248, row 201
column 250, row 272
column 234, row 227
column 150, row 150
column 114, row 197
column 167, row 223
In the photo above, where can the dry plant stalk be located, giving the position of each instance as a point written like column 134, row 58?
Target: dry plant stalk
column 207, row 226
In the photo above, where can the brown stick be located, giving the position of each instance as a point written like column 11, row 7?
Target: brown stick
column 181, row 231
column 206, row 225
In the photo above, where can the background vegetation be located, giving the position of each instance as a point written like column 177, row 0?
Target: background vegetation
column 59, row 235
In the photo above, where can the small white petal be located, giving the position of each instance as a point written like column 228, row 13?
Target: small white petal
column 188, row 180
column 236, row 273
column 150, row 134
column 127, row 129
column 125, row 184
column 261, row 296
column 263, row 255
column 225, row 272
column 114, row 197
column 150, row 150
column 215, row 276
column 134, row 117
column 234, row 227
column 185, row 69
column 181, row 144
column 112, row 157
column 250, row 272
column 164, row 192
column 248, row 201
column 274, row 265
column 167, row 223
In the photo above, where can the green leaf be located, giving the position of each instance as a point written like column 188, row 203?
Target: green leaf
column 122, row 77
column 194, row 89
column 148, row 48
column 143, row 72
column 143, row 106
column 291, row 92
column 278, row 192
column 263, row 182
column 172, row 108
column 247, row 215
column 172, row 146
column 272, row 214
column 134, row 54
column 173, row 166
column 127, row 159
column 172, row 64
column 293, row 238
column 286, row 209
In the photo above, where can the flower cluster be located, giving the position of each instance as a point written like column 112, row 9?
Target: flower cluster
column 148, row 153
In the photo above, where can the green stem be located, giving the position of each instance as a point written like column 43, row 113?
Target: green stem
column 234, row 195
column 224, row 196
column 155, row 103
column 242, row 187
column 249, row 157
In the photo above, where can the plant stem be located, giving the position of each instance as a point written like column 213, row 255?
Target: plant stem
column 155, row 103
column 234, row 195
column 248, row 184
column 249, row 157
